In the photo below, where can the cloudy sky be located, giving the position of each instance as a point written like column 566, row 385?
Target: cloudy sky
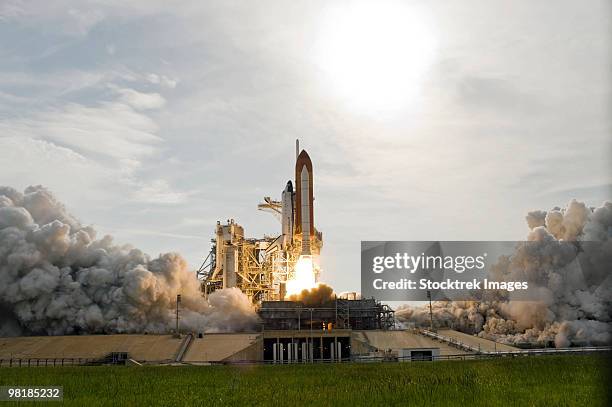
column 436, row 120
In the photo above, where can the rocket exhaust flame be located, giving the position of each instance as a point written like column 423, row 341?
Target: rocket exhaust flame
column 304, row 276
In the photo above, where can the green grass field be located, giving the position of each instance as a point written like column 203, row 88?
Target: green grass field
column 524, row 381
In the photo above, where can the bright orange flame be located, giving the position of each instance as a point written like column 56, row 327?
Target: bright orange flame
column 303, row 277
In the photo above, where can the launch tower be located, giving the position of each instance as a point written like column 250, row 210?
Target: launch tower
column 261, row 267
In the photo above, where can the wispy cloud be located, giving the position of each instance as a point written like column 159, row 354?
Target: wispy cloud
column 158, row 191
column 154, row 232
column 118, row 130
column 141, row 100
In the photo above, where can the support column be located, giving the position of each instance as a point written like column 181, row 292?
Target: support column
column 321, row 348
column 335, row 347
column 274, row 352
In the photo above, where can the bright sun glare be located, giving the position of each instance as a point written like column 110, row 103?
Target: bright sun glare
column 375, row 54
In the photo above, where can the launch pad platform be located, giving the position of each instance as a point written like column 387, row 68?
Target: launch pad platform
column 359, row 314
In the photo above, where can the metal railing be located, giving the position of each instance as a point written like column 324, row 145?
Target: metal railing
column 33, row 362
column 457, row 343
column 486, row 355
column 451, row 341
column 393, row 358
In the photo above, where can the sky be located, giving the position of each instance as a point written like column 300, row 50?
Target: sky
column 434, row 120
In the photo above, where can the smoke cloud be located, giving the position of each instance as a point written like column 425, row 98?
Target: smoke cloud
column 57, row 278
column 574, row 283
column 320, row 294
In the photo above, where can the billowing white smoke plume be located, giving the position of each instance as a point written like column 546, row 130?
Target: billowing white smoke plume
column 57, row 278
column 574, row 280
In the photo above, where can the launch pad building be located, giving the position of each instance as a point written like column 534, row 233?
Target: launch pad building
column 339, row 313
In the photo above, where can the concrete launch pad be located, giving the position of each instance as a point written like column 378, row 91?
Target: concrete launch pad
column 281, row 346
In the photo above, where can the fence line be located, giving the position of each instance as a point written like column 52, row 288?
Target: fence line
column 33, row 362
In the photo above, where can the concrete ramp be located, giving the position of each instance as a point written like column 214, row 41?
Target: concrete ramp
column 485, row 345
column 360, row 344
column 139, row 347
column 395, row 340
column 223, row 347
column 183, row 348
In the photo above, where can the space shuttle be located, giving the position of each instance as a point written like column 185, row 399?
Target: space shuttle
column 295, row 209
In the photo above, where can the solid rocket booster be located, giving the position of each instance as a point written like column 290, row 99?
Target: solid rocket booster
column 304, row 213
column 287, row 214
